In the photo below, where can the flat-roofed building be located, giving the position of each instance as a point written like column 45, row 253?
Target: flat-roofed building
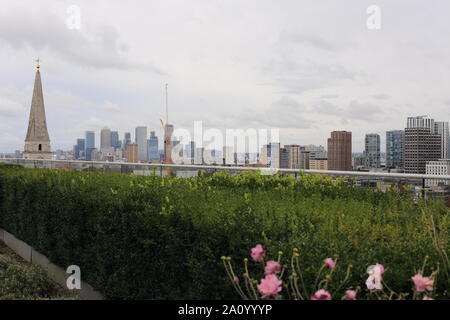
column 132, row 153
column 318, row 164
column 340, row 151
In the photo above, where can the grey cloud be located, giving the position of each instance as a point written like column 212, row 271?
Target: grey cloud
column 329, row 96
column 296, row 78
column 355, row 110
column 381, row 96
column 9, row 108
column 98, row 47
column 308, row 40
column 283, row 113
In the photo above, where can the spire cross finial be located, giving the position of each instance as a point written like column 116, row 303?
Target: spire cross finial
column 38, row 61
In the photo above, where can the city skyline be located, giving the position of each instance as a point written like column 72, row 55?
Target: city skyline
column 307, row 73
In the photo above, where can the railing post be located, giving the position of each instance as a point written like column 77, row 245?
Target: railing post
column 423, row 188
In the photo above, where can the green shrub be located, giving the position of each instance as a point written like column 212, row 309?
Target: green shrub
column 162, row 238
column 24, row 282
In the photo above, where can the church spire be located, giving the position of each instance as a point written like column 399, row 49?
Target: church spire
column 37, row 141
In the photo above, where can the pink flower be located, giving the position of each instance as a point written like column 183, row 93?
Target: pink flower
column 269, row 286
column 258, row 253
column 236, row 279
column 427, row 298
column 321, row 295
column 373, row 282
column 422, row 283
column 329, row 263
column 381, row 268
column 350, row 295
column 272, row 267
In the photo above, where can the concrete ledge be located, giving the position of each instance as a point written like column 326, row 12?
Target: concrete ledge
column 55, row 272
column 17, row 245
column 87, row 292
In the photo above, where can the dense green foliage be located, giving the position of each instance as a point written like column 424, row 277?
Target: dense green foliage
column 19, row 280
column 162, row 238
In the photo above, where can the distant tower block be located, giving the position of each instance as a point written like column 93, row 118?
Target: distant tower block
column 37, row 141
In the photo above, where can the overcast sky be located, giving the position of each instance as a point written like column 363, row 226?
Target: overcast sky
column 306, row 67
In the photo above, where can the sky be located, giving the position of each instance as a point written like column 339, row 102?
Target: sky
column 306, row 67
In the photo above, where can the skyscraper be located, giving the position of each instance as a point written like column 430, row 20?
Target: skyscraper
column 89, row 136
column 372, row 151
column 81, row 149
column 115, row 142
column 90, row 139
column 141, row 141
column 37, row 141
column 395, row 141
column 126, row 140
column 441, row 128
column 153, row 153
column 340, row 151
column 105, row 139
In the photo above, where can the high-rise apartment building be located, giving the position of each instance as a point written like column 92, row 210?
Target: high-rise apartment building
column 293, row 153
column 340, row 151
column 395, row 141
column 421, row 146
column 284, row 158
column 132, row 153
column 441, row 128
column 141, row 141
column 372, row 151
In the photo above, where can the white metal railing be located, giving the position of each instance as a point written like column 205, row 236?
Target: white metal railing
column 395, row 176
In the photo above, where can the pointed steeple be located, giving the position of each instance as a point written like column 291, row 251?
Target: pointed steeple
column 37, row 141
column 37, row 124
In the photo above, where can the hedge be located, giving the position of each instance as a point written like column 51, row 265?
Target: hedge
column 140, row 237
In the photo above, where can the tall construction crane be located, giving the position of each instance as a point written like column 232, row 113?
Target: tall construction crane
column 168, row 131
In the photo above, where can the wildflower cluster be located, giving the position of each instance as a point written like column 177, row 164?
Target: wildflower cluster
column 277, row 283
